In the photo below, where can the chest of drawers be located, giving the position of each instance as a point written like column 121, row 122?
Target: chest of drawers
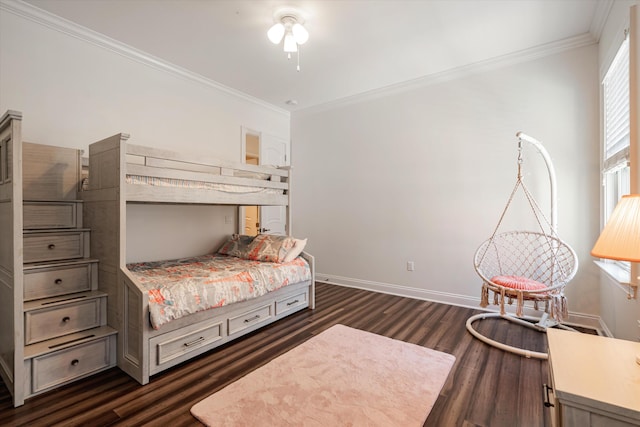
column 58, row 278
column 52, row 315
column 64, row 321
column 55, row 245
column 595, row 381
column 50, row 215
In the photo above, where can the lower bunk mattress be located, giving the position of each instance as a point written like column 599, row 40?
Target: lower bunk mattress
column 177, row 288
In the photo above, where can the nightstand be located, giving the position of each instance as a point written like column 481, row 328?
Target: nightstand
column 595, row 381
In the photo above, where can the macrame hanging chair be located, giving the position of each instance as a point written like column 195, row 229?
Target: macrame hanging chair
column 525, row 266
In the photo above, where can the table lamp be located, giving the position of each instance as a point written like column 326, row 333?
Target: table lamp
column 620, row 238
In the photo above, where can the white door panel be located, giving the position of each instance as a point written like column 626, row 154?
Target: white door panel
column 274, row 151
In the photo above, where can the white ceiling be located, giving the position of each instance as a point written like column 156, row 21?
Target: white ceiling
column 355, row 46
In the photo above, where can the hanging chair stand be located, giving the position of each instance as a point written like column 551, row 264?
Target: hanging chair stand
column 537, row 256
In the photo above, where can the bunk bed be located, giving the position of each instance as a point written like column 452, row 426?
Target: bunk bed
column 121, row 174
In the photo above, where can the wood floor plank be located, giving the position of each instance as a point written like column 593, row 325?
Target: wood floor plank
column 486, row 386
column 489, row 374
column 530, row 390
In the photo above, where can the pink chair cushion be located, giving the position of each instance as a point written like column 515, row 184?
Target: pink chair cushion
column 518, row 282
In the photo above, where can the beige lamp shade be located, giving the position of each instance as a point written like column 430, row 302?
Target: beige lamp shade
column 620, row 238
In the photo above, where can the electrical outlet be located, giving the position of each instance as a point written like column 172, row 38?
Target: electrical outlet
column 411, row 266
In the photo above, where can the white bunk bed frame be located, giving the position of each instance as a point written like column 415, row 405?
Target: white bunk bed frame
column 143, row 351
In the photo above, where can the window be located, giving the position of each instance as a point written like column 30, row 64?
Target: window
column 616, row 167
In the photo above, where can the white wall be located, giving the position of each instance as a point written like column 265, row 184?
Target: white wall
column 73, row 92
column 423, row 175
column 620, row 315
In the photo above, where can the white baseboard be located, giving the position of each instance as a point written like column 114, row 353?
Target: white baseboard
column 604, row 330
column 575, row 318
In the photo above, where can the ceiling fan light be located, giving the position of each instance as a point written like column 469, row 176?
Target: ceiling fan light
column 290, row 44
column 300, row 33
column 276, row 33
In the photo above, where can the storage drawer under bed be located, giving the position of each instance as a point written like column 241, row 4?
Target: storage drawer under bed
column 182, row 343
column 292, row 302
column 250, row 318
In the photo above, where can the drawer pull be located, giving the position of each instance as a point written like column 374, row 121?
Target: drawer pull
column 292, row 302
column 66, row 319
column 75, row 362
column 545, row 396
column 51, row 246
column 256, row 317
column 194, row 342
column 57, row 281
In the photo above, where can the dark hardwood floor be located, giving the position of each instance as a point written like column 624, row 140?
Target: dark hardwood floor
column 486, row 387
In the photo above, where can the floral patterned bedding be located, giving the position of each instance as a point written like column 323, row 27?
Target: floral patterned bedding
column 181, row 287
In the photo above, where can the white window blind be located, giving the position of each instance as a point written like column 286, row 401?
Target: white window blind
column 615, row 167
column 616, row 110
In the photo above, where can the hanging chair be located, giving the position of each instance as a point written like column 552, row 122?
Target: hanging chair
column 525, row 266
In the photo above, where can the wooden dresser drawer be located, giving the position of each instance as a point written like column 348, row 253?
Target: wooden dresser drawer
column 58, row 280
column 56, row 368
column 292, row 302
column 54, row 246
column 47, row 215
column 62, row 318
column 172, row 345
column 250, row 318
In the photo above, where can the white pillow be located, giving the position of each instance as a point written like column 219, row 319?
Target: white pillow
column 296, row 250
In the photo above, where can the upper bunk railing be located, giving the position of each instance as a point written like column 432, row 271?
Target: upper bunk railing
column 164, row 176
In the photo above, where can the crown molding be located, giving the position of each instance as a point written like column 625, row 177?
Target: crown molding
column 498, row 62
column 57, row 23
column 603, row 8
column 42, row 17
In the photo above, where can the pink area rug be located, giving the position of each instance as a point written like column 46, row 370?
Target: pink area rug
column 342, row 377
